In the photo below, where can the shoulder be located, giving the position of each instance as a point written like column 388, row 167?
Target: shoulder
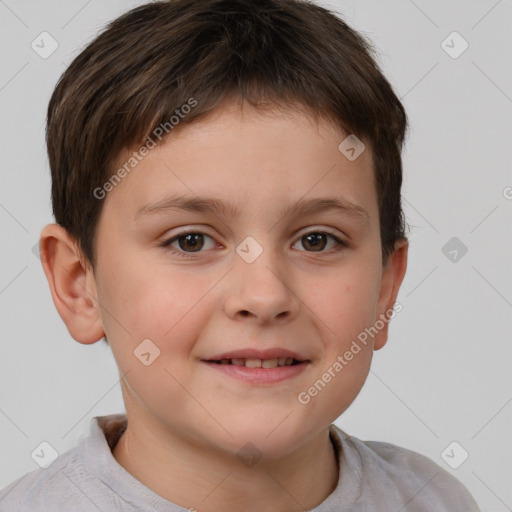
column 42, row 490
column 72, row 481
column 402, row 476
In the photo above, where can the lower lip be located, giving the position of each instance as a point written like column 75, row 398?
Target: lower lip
column 260, row 375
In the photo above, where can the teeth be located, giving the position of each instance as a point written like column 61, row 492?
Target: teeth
column 253, row 363
column 259, row 363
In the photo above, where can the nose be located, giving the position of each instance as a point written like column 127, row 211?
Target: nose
column 258, row 291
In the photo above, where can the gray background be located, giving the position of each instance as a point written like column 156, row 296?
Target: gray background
column 444, row 375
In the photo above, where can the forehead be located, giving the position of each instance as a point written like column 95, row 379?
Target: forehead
column 243, row 156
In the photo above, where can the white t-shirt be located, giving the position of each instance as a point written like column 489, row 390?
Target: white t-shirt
column 374, row 477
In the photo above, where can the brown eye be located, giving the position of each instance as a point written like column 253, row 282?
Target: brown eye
column 314, row 241
column 189, row 242
column 318, row 241
column 192, row 241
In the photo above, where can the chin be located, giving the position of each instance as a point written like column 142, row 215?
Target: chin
column 267, row 438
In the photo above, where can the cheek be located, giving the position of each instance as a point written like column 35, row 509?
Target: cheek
column 335, row 385
column 165, row 307
column 170, row 311
column 347, row 301
column 345, row 306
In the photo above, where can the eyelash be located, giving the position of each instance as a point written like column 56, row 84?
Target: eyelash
column 167, row 243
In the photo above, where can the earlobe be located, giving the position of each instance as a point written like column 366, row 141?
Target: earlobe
column 392, row 276
column 72, row 286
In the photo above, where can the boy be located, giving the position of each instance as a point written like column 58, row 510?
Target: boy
column 264, row 135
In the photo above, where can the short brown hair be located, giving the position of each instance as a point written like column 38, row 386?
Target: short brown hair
column 153, row 59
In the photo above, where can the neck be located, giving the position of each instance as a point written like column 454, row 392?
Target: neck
column 193, row 476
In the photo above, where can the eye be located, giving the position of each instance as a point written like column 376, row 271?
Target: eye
column 189, row 242
column 317, row 241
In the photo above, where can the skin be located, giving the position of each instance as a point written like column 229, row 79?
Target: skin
column 187, row 421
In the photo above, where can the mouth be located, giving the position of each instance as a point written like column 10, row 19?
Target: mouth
column 258, row 358
column 257, row 363
column 257, row 367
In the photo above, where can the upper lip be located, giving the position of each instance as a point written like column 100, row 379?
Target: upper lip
column 251, row 353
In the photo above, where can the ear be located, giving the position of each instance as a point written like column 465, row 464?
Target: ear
column 72, row 284
column 392, row 277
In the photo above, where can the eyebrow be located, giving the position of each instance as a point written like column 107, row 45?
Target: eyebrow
column 216, row 206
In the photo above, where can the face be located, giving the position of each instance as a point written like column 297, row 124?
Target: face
column 254, row 270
